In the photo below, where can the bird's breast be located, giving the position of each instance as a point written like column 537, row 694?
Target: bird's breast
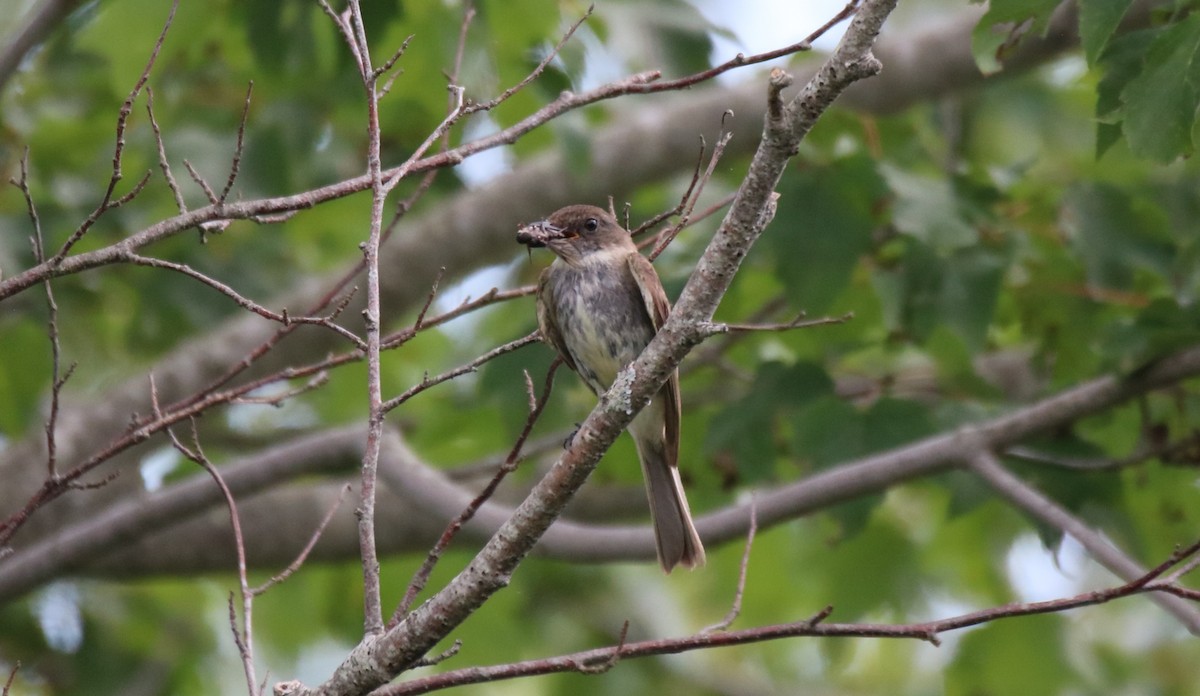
column 602, row 318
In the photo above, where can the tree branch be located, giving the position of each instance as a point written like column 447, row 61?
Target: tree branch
column 375, row 661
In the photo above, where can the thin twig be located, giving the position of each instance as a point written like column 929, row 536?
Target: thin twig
column 715, row 328
column 56, row 381
column 245, row 636
column 735, row 609
column 236, row 164
column 303, row 555
column 440, row 657
column 421, row 577
column 468, row 305
column 429, row 300
column 463, row 369
column 815, row 626
column 243, row 301
column 107, row 203
column 163, row 163
column 614, row 656
column 12, row 676
column 692, row 195
column 202, row 183
column 537, row 71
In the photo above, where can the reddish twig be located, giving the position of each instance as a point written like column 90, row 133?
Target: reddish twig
column 303, row 555
column 463, row 369
column 12, row 676
column 163, row 163
column 107, row 203
column 735, row 609
column 243, row 637
column 691, row 196
column 236, row 164
column 715, row 328
column 814, row 626
column 421, row 577
column 56, row 381
column 245, row 302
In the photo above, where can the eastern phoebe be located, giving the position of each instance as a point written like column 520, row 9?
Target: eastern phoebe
column 598, row 305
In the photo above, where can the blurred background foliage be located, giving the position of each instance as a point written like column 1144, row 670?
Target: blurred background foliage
column 994, row 246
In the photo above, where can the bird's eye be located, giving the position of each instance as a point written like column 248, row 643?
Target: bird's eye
column 591, row 224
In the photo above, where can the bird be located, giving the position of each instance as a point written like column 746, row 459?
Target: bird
column 599, row 304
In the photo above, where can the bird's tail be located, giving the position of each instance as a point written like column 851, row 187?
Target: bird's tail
column 674, row 533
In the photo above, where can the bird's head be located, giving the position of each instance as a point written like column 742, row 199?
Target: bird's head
column 575, row 232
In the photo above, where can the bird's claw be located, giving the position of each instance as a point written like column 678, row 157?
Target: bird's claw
column 571, row 438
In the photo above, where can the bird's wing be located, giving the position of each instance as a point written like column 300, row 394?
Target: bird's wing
column 548, row 322
column 658, row 307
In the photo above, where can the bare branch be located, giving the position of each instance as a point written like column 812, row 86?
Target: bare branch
column 107, row 203
column 736, row 608
column 235, row 165
column 816, row 626
column 163, row 163
column 536, row 406
column 244, row 638
column 303, row 555
column 463, row 369
column 1031, row 501
column 713, row 329
column 12, row 676
column 245, row 302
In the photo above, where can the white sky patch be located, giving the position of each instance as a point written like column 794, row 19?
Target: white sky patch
column 764, row 25
column 58, row 615
column 157, row 465
column 480, row 168
column 1037, row 574
column 474, row 285
column 289, row 413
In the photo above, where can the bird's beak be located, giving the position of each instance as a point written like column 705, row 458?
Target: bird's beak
column 537, row 234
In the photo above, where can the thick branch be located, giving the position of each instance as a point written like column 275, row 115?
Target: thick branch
column 460, row 235
column 374, row 662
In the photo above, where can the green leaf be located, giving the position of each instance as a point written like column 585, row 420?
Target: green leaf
column 829, row 431
column 1121, row 62
column 1114, row 234
column 955, row 369
column 1163, row 327
column 1161, row 103
column 1002, row 27
column 894, row 422
column 874, row 568
column 24, row 371
column 823, row 227
column 747, row 427
column 1098, row 20
column 928, row 208
column 1011, row 656
column 969, row 292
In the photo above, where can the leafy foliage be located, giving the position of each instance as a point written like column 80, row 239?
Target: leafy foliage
column 988, row 254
